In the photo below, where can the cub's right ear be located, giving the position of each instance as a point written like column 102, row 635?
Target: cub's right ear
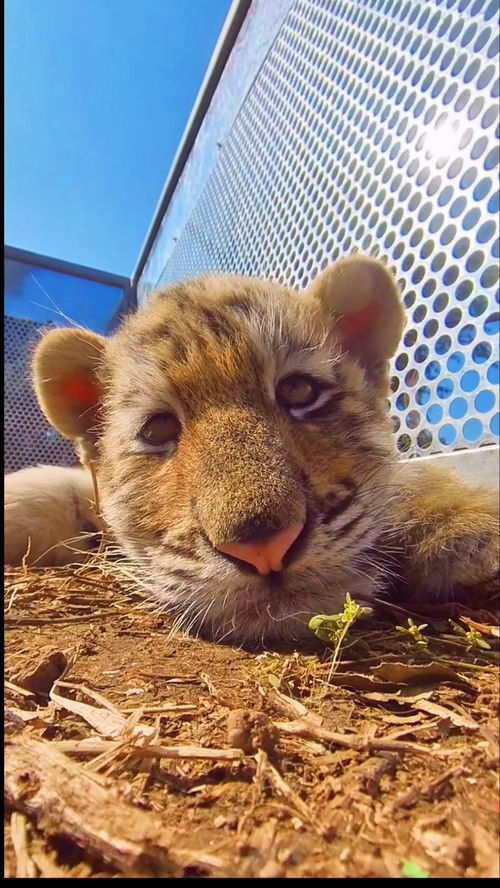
column 66, row 367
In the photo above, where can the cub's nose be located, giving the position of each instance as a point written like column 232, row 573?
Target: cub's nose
column 265, row 555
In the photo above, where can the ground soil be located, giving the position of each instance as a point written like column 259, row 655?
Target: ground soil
column 385, row 771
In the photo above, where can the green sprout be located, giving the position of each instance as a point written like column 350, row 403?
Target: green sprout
column 412, row 870
column 473, row 636
column 334, row 628
column 415, row 633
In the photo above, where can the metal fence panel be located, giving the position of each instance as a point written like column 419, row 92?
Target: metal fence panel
column 372, row 127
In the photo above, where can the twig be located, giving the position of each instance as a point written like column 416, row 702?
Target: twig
column 189, row 752
column 464, row 645
column 106, row 721
column 394, row 608
column 10, row 686
column 43, row 783
column 313, row 727
column 25, row 868
column 427, row 792
column 303, row 728
column 167, row 707
column 93, row 475
column 458, row 664
column 84, row 618
column 24, row 562
column 169, row 677
column 96, row 746
column 265, row 768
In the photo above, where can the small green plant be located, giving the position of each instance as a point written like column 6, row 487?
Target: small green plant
column 415, row 633
column 473, row 636
column 412, row 870
column 334, row 628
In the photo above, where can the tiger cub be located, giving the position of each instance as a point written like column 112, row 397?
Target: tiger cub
column 245, row 456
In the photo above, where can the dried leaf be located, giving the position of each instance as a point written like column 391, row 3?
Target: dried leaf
column 401, row 719
column 444, row 712
column 408, row 674
column 398, row 696
column 106, row 721
column 89, row 692
column 360, row 682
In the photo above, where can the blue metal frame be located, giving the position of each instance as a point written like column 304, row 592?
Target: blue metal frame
column 81, row 271
column 232, row 27
column 128, row 301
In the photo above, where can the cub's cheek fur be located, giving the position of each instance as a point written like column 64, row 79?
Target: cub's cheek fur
column 49, row 516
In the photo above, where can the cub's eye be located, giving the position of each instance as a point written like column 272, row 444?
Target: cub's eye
column 161, row 429
column 297, row 391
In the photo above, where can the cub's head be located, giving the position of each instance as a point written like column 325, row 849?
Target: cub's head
column 242, row 442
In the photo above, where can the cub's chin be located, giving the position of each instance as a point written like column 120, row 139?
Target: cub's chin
column 259, row 633
column 274, row 612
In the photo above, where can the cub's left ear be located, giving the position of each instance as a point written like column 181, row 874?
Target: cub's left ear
column 66, row 377
column 359, row 297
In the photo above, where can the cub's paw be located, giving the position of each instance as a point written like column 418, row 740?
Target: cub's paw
column 449, row 533
column 461, row 558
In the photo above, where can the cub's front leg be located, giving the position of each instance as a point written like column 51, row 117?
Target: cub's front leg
column 448, row 533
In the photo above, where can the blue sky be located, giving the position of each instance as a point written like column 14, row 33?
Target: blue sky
column 98, row 93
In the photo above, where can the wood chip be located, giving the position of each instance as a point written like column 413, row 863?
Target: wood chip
column 492, row 631
column 40, row 675
column 25, row 868
column 65, row 799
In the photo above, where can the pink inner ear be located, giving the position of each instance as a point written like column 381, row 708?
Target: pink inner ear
column 357, row 324
column 79, row 389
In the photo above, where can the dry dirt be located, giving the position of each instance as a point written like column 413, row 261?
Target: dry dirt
column 128, row 753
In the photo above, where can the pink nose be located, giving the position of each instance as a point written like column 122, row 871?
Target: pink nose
column 266, row 555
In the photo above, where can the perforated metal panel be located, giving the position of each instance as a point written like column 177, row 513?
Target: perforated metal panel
column 38, row 289
column 29, row 439
column 374, row 126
